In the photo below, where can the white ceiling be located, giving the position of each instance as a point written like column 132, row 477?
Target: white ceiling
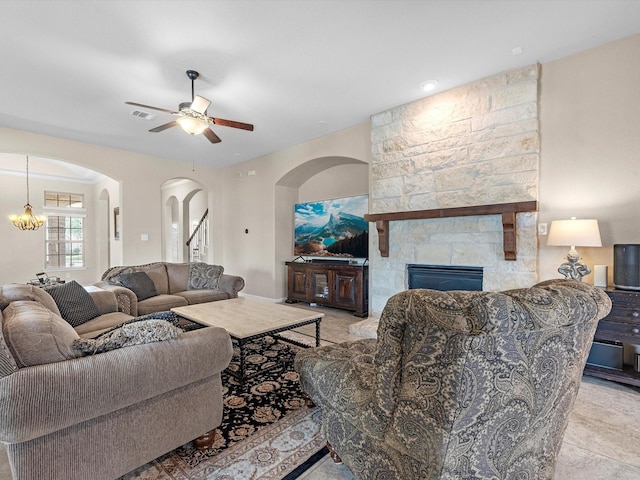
column 295, row 69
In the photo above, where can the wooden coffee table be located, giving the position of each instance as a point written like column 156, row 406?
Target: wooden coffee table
column 246, row 319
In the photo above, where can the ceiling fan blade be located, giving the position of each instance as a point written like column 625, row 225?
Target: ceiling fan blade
column 152, row 108
column 200, row 104
column 231, row 123
column 213, row 138
column 164, row 127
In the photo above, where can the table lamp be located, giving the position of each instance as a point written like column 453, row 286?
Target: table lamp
column 572, row 233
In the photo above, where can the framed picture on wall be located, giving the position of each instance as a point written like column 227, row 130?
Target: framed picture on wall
column 116, row 223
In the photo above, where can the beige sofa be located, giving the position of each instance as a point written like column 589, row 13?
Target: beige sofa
column 67, row 416
column 176, row 285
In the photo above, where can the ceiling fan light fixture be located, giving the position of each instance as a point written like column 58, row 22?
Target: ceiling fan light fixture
column 191, row 125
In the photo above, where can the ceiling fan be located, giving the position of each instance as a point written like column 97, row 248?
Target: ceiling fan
column 192, row 116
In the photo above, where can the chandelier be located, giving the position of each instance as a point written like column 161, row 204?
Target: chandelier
column 28, row 221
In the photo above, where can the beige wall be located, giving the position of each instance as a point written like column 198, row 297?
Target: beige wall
column 140, row 178
column 590, row 148
column 590, row 141
column 263, row 204
column 336, row 182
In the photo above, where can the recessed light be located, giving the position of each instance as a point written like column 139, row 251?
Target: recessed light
column 428, row 85
column 323, row 122
column 516, row 51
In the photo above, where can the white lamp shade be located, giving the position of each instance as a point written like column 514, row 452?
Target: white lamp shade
column 191, row 125
column 574, row 233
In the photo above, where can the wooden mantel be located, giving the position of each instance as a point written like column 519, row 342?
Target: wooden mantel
column 507, row 210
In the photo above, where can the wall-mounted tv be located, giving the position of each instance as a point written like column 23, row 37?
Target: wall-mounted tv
column 332, row 228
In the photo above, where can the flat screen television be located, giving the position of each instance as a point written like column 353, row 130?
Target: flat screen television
column 332, row 228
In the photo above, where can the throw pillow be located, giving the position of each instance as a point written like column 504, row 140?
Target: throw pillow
column 167, row 316
column 4, row 302
column 204, row 276
column 140, row 283
column 74, row 302
column 35, row 335
column 137, row 333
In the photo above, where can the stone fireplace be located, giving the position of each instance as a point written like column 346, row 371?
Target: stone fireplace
column 470, row 146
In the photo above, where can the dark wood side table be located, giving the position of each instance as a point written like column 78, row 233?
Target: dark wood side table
column 622, row 325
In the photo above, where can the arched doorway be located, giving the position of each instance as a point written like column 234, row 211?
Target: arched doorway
column 317, row 179
column 185, row 221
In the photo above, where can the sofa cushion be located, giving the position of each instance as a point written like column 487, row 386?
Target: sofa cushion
column 204, row 276
column 137, row 333
column 74, row 302
column 35, row 335
column 203, row 296
column 178, row 274
column 21, row 291
column 104, row 322
column 160, row 303
column 140, row 283
column 158, row 274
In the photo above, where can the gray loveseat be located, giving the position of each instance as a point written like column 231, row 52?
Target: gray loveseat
column 67, row 416
column 172, row 285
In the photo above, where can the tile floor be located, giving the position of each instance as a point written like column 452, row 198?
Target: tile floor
column 602, row 440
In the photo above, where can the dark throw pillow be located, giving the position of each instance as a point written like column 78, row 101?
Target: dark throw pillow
column 4, row 302
column 74, row 302
column 137, row 333
column 140, row 283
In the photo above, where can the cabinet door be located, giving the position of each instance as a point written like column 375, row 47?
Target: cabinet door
column 320, row 287
column 345, row 289
column 297, row 283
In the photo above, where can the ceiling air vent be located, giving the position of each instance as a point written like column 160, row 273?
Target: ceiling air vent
column 144, row 115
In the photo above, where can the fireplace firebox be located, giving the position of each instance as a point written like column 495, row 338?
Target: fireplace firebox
column 445, row 277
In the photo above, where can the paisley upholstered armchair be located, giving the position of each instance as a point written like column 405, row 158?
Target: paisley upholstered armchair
column 458, row 385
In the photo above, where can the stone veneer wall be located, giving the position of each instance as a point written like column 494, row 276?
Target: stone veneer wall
column 473, row 145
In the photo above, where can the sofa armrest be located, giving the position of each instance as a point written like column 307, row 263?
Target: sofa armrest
column 89, row 387
column 104, row 299
column 231, row 284
column 127, row 300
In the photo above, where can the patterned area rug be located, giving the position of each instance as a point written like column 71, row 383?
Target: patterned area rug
column 267, row 431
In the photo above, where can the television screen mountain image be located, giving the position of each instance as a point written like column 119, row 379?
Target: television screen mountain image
column 332, row 228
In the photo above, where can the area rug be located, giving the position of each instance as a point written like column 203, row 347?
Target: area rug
column 267, row 432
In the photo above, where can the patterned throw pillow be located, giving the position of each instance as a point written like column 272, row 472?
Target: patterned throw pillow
column 204, row 276
column 74, row 302
column 137, row 333
column 140, row 283
column 167, row 316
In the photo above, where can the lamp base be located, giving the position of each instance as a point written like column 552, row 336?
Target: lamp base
column 573, row 269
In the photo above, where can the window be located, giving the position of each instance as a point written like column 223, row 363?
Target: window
column 64, row 237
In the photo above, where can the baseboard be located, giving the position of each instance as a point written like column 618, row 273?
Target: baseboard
column 264, row 299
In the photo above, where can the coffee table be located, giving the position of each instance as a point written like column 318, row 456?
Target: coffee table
column 246, row 319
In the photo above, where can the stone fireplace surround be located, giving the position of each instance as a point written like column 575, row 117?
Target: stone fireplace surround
column 477, row 144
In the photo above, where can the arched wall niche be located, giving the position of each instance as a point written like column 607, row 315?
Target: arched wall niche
column 316, row 179
column 185, row 203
